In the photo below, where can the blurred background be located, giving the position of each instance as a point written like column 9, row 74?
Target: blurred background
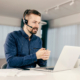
column 60, row 23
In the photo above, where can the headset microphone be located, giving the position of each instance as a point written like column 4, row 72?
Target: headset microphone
column 29, row 26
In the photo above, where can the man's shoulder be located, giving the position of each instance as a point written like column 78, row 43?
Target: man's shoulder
column 15, row 33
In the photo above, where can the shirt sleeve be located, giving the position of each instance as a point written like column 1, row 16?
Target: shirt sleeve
column 11, row 54
column 40, row 62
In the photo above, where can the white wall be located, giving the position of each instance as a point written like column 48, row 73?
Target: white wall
column 10, row 21
column 65, row 21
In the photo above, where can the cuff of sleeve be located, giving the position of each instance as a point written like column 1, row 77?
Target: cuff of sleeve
column 44, row 62
column 34, row 58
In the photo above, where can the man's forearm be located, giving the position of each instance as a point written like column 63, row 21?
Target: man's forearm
column 22, row 61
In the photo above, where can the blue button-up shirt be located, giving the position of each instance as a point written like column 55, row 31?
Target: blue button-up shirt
column 20, row 52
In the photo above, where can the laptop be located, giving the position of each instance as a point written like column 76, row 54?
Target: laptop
column 66, row 60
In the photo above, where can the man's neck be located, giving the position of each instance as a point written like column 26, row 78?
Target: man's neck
column 26, row 31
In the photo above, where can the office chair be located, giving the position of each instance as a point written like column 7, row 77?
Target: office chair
column 4, row 66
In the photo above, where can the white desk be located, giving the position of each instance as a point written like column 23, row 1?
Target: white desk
column 73, row 74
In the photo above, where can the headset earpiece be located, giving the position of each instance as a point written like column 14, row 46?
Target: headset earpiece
column 26, row 22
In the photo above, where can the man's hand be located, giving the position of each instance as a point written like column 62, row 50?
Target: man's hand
column 40, row 53
column 46, row 55
column 43, row 54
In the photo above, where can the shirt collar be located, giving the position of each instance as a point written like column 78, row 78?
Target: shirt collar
column 25, row 35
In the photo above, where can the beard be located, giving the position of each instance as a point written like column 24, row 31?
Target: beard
column 34, row 30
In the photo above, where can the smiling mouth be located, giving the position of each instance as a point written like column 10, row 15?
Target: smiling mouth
column 35, row 29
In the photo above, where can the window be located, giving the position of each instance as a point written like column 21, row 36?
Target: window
column 58, row 38
column 4, row 30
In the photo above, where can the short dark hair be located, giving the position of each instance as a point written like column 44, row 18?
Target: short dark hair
column 29, row 11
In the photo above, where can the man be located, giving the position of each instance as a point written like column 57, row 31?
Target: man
column 22, row 48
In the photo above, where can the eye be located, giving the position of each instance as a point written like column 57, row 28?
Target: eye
column 34, row 22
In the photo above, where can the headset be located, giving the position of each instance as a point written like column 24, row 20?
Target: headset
column 25, row 21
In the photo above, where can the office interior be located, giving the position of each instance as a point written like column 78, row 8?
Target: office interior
column 60, row 17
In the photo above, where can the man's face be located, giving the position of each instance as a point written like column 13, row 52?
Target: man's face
column 34, row 21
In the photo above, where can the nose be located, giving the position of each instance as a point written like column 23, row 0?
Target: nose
column 37, row 25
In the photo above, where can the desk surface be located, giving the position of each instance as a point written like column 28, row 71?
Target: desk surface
column 73, row 74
